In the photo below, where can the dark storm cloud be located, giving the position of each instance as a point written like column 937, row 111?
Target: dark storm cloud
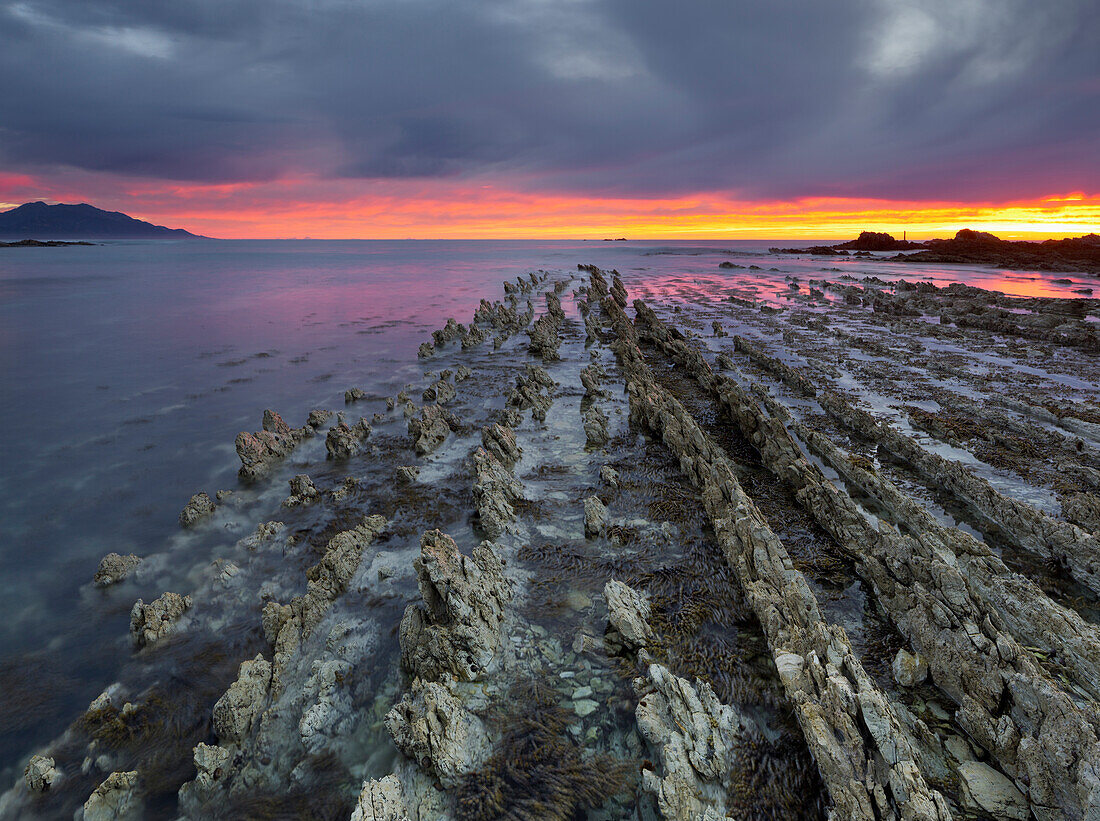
column 960, row 99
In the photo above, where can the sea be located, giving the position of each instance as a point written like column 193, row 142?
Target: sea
column 128, row 368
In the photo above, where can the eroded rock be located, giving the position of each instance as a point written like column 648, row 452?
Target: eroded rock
column 432, row 727
column 496, row 491
column 151, row 622
column 456, row 630
column 431, row 429
column 198, row 508
column 236, row 711
column 40, row 773
column 344, row 440
column 628, row 614
column 113, row 568
column 595, row 516
column 116, row 799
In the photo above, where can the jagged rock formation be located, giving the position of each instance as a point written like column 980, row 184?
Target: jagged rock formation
column 40, row 773
column 302, row 491
column 151, row 622
column 288, row 625
column 544, row 334
column 528, row 392
column 695, row 740
column 496, row 491
column 354, row 395
column 965, row 624
column 595, row 517
column 116, row 799
column 257, row 451
column 199, row 507
column 628, row 613
column 343, row 440
column 432, row 727
column 457, row 628
column 113, row 568
column 431, row 429
column 236, row 712
column 864, row 755
column 500, row 442
column 596, row 432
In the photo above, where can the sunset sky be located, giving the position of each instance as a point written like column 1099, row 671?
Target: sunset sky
column 557, row 118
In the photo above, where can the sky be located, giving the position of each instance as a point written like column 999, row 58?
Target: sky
column 557, row 118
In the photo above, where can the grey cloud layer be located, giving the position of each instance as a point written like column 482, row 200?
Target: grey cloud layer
column 961, row 99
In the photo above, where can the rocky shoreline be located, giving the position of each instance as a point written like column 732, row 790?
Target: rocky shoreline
column 612, row 559
column 968, row 247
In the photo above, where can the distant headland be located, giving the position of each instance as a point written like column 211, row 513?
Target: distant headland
column 39, row 221
column 970, row 247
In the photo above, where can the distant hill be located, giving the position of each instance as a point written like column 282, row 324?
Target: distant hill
column 36, row 220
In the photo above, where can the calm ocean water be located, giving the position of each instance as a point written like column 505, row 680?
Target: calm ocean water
column 129, row 368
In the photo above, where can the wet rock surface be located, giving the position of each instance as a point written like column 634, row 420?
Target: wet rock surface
column 198, row 508
column 753, row 592
column 151, row 622
column 114, row 568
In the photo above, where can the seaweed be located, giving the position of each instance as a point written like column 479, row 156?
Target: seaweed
column 538, row 772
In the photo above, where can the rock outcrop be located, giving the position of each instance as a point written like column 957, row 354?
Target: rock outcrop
column 595, row 517
column 381, row 800
column 695, row 739
column 199, row 507
column 343, row 440
column 116, row 799
column 151, row 622
column 432, row 727
column 456, row 630
column 113, row 568
column 628, row 615
column 302, row 491
column 236, row 711
column 431, row 429
column 496, row 491
column 40, row 773
column 259, row 450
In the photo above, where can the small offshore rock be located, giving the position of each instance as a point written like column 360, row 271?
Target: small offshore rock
column 343, row 440
column 354, row 395
column 113, row 568
column 199, row 507
column 441, row 392
column 425, row 351
column 408, row 474
column 430, row 430
column 302, row 491
column 151, row 622
column 115, row 799
column 40, row 773
column 318, row 417
column 595, row 516
column 609, row 476
column 909, row 669
column 462, row 373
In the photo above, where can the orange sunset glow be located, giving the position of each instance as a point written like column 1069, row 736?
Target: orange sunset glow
column 446, row 210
